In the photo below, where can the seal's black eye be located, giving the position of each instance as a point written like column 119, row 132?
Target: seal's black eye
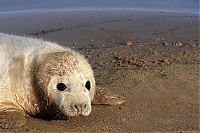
column 61, row 86
column 87, row 85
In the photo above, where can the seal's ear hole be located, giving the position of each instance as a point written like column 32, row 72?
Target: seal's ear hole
column 88, row 85
column 61, row 86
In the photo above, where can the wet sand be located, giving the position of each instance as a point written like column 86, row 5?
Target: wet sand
column 150, row 58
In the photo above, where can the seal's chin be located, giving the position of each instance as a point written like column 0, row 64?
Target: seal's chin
column 76, row 109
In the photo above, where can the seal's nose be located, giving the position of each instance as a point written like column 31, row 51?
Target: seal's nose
column 79, row 107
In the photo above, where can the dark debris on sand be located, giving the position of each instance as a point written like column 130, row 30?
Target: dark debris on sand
column 133, row 54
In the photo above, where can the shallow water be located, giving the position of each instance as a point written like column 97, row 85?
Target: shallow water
column 71, row 5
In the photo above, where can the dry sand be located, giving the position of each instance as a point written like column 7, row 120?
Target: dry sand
column 157, row 71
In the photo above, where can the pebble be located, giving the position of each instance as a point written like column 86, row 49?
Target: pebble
column 178, row 44
column 165, row 43
column 128, row 43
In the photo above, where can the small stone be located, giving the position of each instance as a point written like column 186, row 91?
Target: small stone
column 165, row 43
column 129, row 43
column 114, row 61
column 100, row 63
column 138, row 41
column 178, row 44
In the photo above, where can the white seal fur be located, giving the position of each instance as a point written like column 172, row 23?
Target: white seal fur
column 41, row 78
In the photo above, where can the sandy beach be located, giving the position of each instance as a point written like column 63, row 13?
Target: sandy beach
column 150, row 58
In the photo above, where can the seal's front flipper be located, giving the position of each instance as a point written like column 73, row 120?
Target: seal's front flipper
column 103, row 97
column 11, row 118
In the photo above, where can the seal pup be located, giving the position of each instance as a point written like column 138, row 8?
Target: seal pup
column 43, row 79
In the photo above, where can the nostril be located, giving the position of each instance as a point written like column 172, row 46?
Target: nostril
column 76, row 107
column 80, row 107
column 84, row 106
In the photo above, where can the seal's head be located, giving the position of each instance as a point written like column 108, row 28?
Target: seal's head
column 68, row 81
